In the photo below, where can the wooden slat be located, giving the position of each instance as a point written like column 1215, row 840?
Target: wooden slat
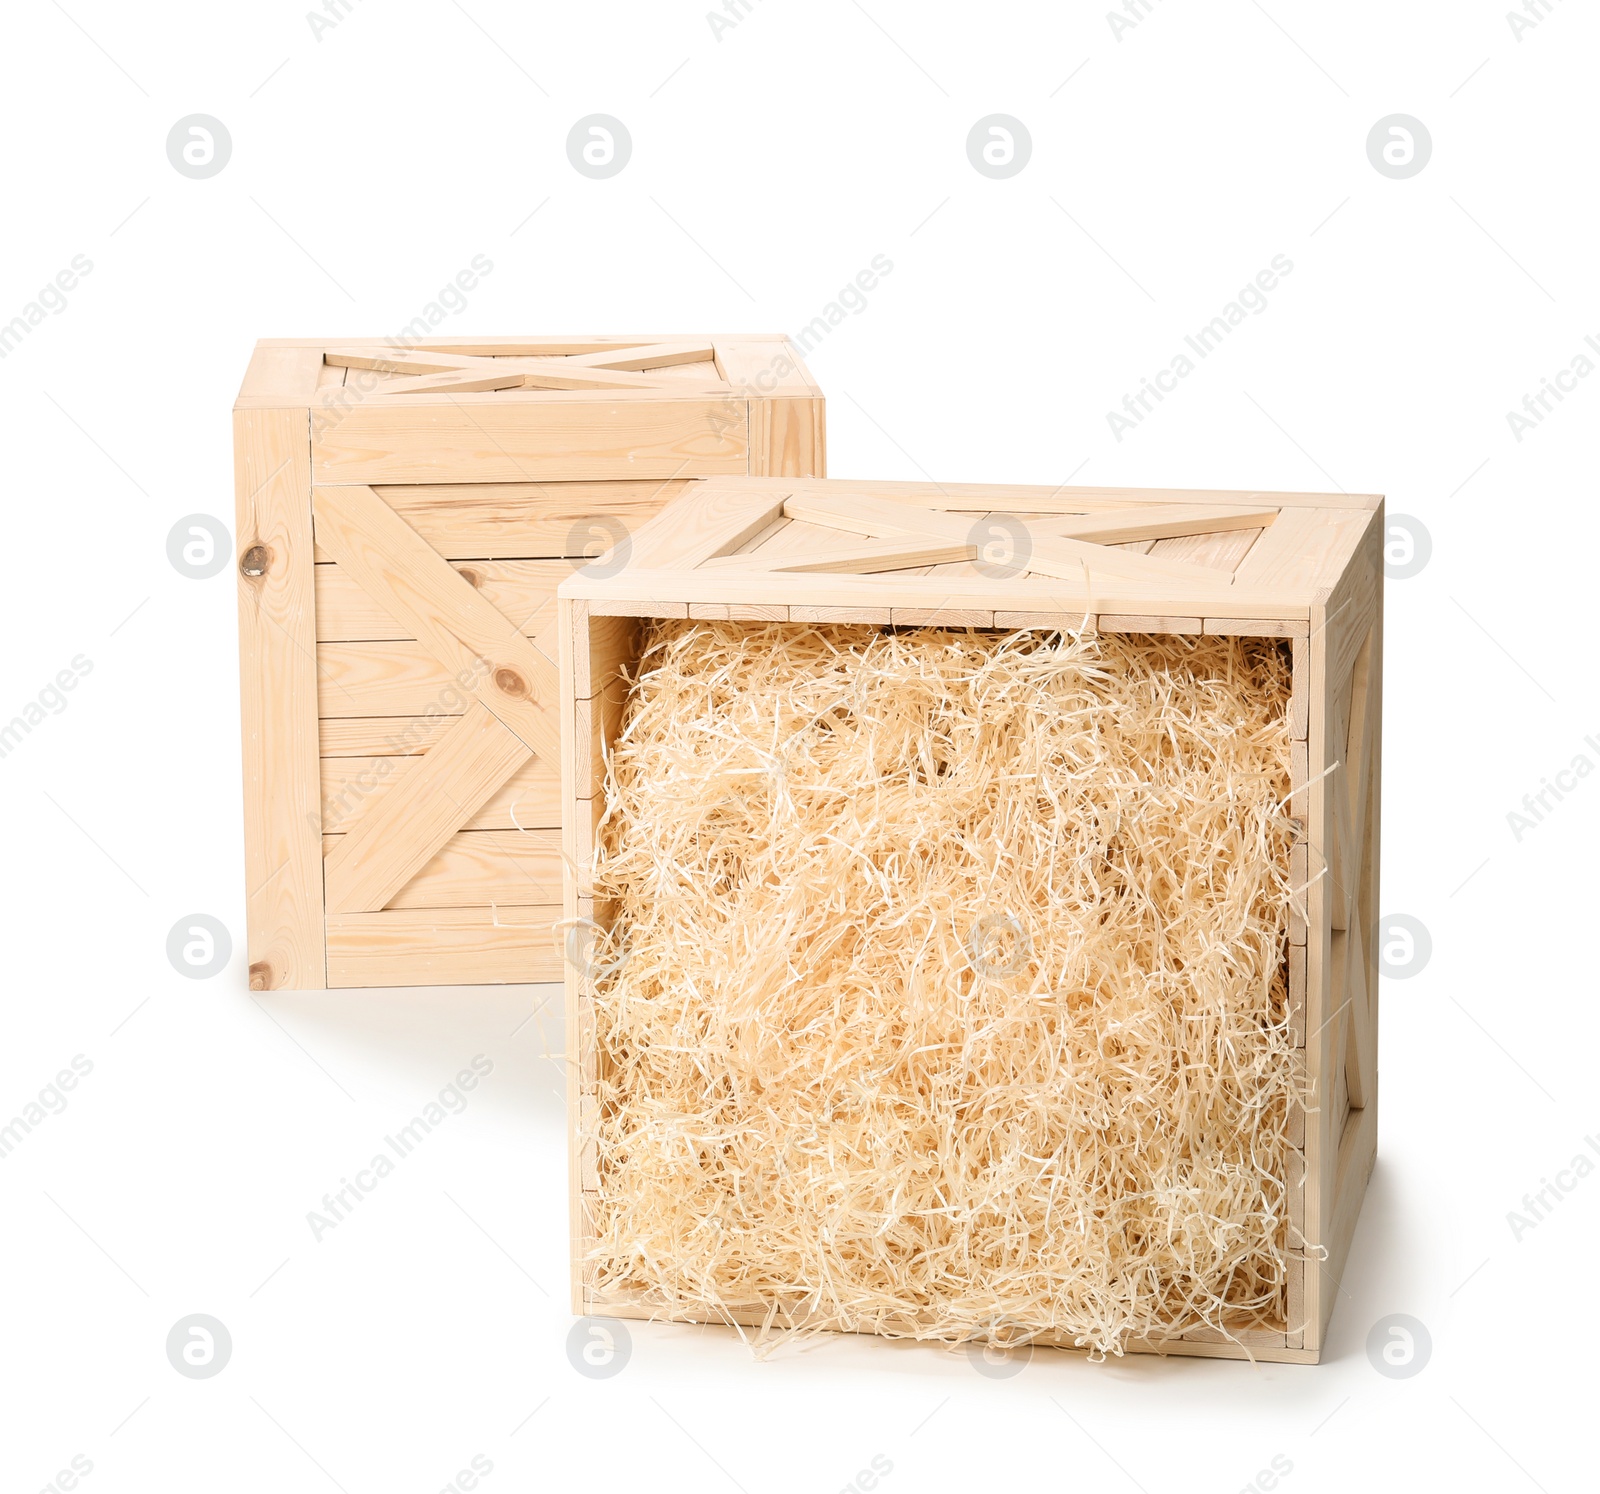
column 612, row 645
column 444, row 946
column 763, row 367
column 278, row 695
column 1322, row 1142
column 868, row 557
column 388, row 679
column 1163, row 521
column 524, row 590
column 1113, row 623
column 599, row 719
column 1221, row 552
column 1297, row 993
column 529, row 800
column 398, row 830
column 381, row 736
column 442, row 611
column 512, row 521
column 565, row 373
column 1357, row 1056
column 653, row 355
column 390, row 360
column 788, row 437
column 488, row 375
column 525, row 437
column 594, row 654
column 464, row 381
column 719, row 518
column 1259, row 627
column 650, row 592
column 505, row 868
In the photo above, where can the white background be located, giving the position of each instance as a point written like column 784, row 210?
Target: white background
column 770, row 164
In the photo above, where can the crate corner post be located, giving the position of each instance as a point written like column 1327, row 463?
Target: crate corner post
column 278, row 681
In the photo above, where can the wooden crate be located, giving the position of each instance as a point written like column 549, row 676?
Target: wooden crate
column 404, row 516
column 1302, row 567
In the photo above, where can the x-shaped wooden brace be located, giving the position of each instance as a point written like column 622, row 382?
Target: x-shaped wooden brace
column 515, row 713
column 899, row 536
column 441, row 372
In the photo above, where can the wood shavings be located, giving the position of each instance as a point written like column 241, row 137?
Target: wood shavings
column 946, row 990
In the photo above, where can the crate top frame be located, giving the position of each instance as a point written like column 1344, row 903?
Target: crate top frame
column 532, row 409
column 1145, row 560
column 579, row 369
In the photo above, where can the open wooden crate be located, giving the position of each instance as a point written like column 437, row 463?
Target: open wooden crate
column 1303, row 568
column 404, row 516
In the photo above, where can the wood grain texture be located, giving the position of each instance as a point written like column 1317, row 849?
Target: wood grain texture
column 393, row 440
column 443, row 611
column 278, row 696
column 502, row 868
column 525, row 520
column 400, row 827
column 1163, row 521
column 656, row 593
column 443, row 946
column 788, row 437
column 389, row 679
column 530, row 799
column 524, row 590
column 380, row 736
column 280, row 377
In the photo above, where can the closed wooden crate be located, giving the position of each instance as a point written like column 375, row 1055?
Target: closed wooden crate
column 404, row 515
column 1305, row 569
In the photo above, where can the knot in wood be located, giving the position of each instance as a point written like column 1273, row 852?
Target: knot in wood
column 255, row 560
column 509, row 682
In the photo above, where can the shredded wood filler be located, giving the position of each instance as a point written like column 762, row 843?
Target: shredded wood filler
column 946, row 993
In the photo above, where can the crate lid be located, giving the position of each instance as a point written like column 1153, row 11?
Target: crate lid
column 411, row 371
column 1005, row 556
